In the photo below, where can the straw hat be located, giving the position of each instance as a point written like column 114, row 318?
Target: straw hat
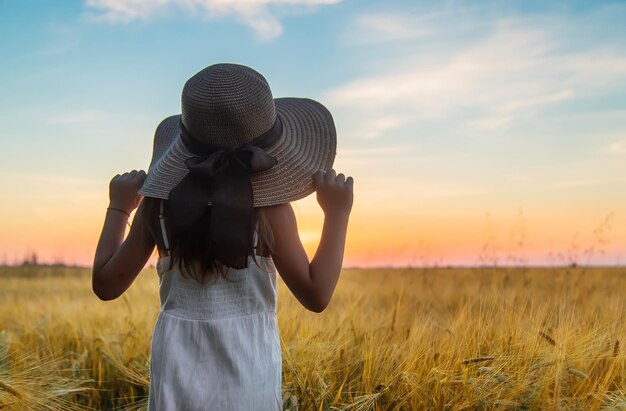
column 229, row 105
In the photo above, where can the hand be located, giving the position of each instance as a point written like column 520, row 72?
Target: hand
column 123, row 190
column 334, row 192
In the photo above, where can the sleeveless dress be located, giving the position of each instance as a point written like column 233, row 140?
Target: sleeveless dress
column 216, row 346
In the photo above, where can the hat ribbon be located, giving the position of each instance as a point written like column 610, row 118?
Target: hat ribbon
column 221, row 176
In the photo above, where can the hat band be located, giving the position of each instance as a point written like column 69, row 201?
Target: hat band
column 221, row 176
column 201, row 148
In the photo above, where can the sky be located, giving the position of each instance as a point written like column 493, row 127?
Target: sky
column 477, row 132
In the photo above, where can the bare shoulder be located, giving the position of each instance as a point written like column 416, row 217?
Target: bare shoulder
column 282, row 223
column 279, row 216
column 278, row 209
column 289, row 256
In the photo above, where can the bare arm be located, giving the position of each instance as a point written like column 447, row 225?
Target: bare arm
column 117, row 261
column 313, row 283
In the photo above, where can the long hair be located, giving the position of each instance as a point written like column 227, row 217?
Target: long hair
column 191, row 251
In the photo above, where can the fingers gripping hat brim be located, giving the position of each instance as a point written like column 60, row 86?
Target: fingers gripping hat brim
column 308, row 143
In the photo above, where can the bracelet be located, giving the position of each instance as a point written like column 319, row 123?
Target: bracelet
column 117, row 209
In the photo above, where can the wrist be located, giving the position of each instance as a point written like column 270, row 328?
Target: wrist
column 119, row 210
column 337, row 214
column 120, row 206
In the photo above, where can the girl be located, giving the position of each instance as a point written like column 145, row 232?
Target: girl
column 215, row 203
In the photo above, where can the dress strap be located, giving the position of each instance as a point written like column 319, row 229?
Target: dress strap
column 163, row 231
column 255, row 237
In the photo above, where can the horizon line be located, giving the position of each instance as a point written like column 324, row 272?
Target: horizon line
column 379, row 267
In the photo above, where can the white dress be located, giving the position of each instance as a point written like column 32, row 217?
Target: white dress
column 216, row 347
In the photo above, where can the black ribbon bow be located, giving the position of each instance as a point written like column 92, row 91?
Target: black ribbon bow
column 221, row 176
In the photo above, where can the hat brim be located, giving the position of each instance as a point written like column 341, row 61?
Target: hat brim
column 308, row 143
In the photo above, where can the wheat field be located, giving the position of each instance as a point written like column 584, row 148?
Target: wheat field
column 438, row 338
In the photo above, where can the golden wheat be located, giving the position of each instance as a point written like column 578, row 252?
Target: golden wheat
column 453, row 339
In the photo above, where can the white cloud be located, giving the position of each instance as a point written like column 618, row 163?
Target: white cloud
column 492, row 122
column 253, row 13
column 375, row 127
column 503, row 115
column 499, row 79
column 383, row 28
column 375, row 151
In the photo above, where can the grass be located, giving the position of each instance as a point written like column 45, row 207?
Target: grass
column 442, row 339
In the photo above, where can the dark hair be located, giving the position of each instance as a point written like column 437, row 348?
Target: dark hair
column 192, row 251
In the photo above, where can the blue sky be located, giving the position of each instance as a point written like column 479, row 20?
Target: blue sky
column 446, row 111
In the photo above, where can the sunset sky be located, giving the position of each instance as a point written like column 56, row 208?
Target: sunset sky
column 476, row 132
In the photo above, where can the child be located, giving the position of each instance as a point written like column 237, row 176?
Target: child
column 216, row 205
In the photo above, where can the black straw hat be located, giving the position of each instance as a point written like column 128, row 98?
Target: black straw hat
column 235, row 147
column 227, row 105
